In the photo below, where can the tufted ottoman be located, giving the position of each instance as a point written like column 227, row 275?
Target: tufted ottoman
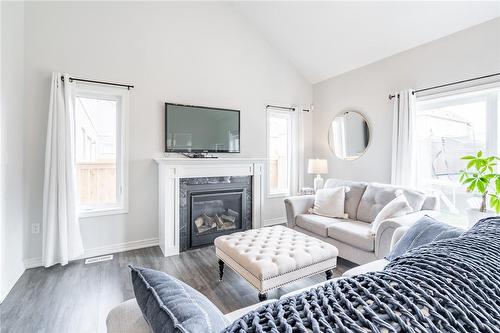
column 274, row 256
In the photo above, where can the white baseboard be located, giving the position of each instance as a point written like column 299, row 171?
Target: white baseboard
column 32, row 263
column 101, row 250
column 274, row 221
column 120, row 247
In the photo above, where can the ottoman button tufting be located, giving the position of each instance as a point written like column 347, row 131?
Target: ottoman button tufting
column 272, row 256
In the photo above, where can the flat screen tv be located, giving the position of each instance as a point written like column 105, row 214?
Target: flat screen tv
column 200, row 129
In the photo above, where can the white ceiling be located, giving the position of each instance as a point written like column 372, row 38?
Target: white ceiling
column 324, row 39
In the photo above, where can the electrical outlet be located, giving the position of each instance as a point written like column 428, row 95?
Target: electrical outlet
column 35, row 228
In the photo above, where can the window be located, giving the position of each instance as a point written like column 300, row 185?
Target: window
column 100, row 127
column 280, row 136
column 449, row 127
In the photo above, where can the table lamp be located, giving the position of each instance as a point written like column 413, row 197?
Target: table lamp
column 317, row 166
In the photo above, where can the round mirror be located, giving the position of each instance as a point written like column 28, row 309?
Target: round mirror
column 349, row 135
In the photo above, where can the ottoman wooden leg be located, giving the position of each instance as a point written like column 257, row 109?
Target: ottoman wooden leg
column 262, row 297
column 329, row 274
column 221, row 269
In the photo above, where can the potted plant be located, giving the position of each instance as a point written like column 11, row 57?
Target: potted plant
column 480, row 176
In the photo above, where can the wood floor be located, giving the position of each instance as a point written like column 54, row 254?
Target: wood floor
column 77, row 297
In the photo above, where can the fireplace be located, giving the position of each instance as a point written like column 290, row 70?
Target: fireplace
column 212, row 207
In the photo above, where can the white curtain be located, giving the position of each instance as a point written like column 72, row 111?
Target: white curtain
column 299, row 156
column 61, row 231
column 404, row 140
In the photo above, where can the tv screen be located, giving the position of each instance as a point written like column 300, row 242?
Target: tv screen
column 199, row 129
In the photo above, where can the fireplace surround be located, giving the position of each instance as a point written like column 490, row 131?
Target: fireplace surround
column 172, row 172
column 213, row 206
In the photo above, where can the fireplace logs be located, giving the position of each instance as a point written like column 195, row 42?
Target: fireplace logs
column 225, row 221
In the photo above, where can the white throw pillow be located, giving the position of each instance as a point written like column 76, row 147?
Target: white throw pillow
column 397, row 207
column 330, row 202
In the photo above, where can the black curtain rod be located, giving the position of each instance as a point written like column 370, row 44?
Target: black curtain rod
column 283, row 108
column 449, row 84
column 71, row 79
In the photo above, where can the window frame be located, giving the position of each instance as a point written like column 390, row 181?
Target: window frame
column 488, row 93
column 121, row 96
column 289, row 115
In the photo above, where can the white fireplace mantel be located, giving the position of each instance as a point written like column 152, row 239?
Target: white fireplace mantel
column 172, row 169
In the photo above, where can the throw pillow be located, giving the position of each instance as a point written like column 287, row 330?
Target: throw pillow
column 415, row 199
column 329, row 202
column 397, row 207
column 424, row 231
column 169, row 306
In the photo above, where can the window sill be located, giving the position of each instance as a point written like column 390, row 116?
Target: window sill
column 277, row 195
column 103, row 212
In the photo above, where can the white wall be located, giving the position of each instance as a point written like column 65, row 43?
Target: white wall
column 468, row 53
column 11, row 97
column 192, row 53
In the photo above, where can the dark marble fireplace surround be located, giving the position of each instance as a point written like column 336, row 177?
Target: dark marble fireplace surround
column 188, row 185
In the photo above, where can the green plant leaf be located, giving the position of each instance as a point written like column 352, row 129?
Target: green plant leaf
column 471, row 164
column 479, row 175
column 468, row 180
column 480, row 186
column 495, row 202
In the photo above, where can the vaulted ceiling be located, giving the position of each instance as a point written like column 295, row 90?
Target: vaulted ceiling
column 324, row 39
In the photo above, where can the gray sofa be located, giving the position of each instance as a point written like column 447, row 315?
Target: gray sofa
column 352, row 236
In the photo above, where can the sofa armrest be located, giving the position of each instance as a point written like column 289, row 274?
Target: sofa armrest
column 397, row 235
column 432, row 202
column 297, row 205
column 386, row 229
column 127, row 317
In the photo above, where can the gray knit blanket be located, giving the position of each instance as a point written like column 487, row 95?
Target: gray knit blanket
column 451, row 285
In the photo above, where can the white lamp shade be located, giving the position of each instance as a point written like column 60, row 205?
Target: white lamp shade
column 317, row 166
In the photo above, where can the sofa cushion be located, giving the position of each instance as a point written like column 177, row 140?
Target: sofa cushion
column 399, row 206
column 169, row 306
column 354, row 233
column 424, row 231
column 330, row 201
column 352, row 198
column 373, row 200
column 376, row 196
column 316, row 223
